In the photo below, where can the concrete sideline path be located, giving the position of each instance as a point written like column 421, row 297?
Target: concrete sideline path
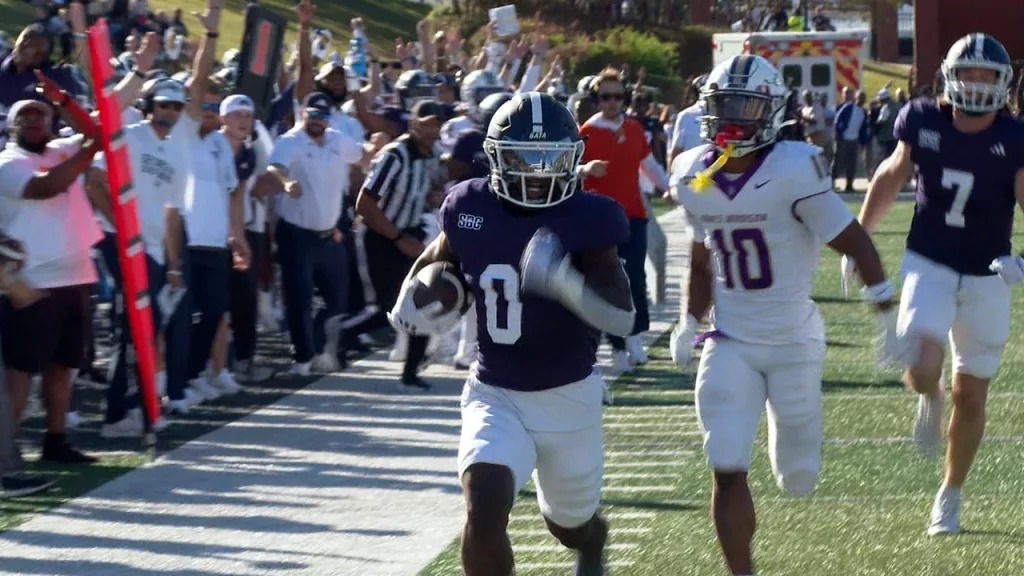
column 344, row 477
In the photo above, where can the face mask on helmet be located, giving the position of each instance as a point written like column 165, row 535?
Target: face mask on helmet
column 738, row 118
column 534, row 174
column 977, row 87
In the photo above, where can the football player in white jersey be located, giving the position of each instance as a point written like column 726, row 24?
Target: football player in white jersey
column 760, row 209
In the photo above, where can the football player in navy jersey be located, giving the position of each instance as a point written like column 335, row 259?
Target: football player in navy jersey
column 545, row 288
column 969, row 157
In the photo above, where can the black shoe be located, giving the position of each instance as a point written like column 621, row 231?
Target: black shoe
column 23, row 484
column 57, row 450
column 414, row 384
column 593, row 566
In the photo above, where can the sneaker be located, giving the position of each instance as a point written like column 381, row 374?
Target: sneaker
column 225, row 383
column 128, row 427
column 325, row 363
column 184, row 406
column 398, row 353
column 248, row 372
column 20, row 484
column 414, row 384
column 681, row 351
column 202, row 388
column 72, row 420
column 57, row 450
column 300, row 368
column 636, row 351
column 593, row 566
column 945, row 512
column 620, row 362
column 928, row 422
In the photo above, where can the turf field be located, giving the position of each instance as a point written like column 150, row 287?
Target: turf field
column 868, row 514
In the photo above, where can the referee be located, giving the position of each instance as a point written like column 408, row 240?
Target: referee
column 389, row 236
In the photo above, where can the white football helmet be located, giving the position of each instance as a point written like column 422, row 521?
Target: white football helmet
column 977, row 51
column 744, row 102
column 476, row 86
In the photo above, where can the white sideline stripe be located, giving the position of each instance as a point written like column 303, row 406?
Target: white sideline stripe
column 616, row 516
column 645, row 454
column 642, row 464
column 652, row 425
column 660, row 434
column 646, row 476
column 526, row 566
column 907, row 397
column 761, row 440
column 614, row 532
column 559, row 547
column 682, row 415
column 660, row 488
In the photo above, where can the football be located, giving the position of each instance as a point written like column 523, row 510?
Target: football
column 440, row 282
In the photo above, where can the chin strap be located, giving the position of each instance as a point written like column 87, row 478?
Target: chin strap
column 702, row 180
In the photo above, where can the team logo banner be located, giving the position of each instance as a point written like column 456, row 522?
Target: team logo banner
column 260, row 56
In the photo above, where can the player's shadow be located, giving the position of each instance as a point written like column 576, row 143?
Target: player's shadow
column 838, row 344
column 836, row 300
column 874, row 384
column 1001, row 534
column 619, row 402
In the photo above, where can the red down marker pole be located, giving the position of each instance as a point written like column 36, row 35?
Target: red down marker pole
column 130, row 247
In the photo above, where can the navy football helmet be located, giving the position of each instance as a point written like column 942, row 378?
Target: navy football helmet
column 489, row 107
column 533, row 147
column 977, row 51
column 415, row 85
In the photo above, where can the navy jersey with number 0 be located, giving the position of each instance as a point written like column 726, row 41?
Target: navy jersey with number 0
column 965, row 186
column 526, row 342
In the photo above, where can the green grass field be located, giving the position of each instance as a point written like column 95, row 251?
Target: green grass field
column 877, row 74
column 869, row 511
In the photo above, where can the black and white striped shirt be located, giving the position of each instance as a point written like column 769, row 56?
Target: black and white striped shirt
column 400, row 180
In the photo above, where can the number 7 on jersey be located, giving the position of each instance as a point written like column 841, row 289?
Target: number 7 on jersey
column 962, row 184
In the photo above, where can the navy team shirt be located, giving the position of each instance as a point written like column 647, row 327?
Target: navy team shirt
column 965, row 186
column 526, row 342
column 469, row 149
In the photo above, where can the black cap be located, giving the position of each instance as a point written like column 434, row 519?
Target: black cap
column 427, row 109
column 318, row 101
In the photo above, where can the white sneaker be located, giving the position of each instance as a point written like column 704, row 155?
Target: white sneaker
column 928, row 422
column 635, row 349
column 225, row 383
column 128, row 427
column 325, row 363
column 184, row 406
column 945, row 512
column 201, row 386
column 398, row 353
column 247, row 372
column 72, row 420
column 620, row 362
column 300, row 368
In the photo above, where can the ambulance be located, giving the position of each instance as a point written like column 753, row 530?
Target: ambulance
column 822, row 62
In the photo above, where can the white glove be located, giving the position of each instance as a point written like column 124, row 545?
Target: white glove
column 543, row 265
column 429, row 320
column 849, row 275
column 892, row 349
column 1009, row 268
column 681, row 345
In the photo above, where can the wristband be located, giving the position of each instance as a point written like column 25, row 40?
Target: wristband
column 212, row 35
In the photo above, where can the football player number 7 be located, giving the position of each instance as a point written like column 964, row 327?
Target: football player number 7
column 509, row 329
column 962, row 184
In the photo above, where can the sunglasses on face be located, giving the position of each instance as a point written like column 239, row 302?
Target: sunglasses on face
column 392, row 65
column 208, row 107
column 176, row 106
column 608, row 97
column 318, row 114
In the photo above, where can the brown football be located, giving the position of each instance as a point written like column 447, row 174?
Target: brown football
column 440, row 282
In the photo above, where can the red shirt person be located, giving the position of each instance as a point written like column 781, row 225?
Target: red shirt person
column 619, row 146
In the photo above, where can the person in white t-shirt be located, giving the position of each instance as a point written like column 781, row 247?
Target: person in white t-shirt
column 43, row 205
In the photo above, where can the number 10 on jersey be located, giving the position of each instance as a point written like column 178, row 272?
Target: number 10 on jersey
column 747, row 250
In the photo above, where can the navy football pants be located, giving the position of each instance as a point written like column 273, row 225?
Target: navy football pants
column 634, row 252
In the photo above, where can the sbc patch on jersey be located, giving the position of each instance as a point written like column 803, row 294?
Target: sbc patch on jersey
column 821, row 166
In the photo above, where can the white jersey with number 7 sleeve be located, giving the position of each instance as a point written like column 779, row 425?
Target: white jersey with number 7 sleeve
column 764, row 229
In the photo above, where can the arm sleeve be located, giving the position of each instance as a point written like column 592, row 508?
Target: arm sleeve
column 650, row 168
column 905, row 127
column 14, row 176
column 383, row 171
column 282, row 153
column 228, row 171
column 823, row 213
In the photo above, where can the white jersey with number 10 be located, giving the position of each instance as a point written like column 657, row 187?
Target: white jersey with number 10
column 764, row 229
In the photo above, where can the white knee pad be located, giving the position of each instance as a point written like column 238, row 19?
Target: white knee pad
column 571, row 503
